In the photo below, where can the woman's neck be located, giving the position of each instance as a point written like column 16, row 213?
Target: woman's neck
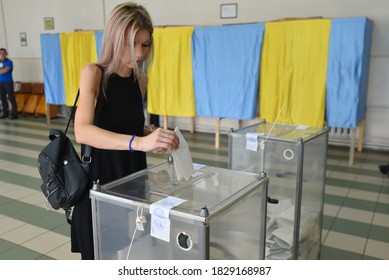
column 124, row 72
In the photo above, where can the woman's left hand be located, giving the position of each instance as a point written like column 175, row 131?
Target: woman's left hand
column 159, row 141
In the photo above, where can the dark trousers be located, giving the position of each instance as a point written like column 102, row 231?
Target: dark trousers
column 7, row 88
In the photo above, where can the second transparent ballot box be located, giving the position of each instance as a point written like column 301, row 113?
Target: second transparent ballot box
column 294, row 159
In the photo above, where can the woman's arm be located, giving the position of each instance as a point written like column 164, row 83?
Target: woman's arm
column 87, row 133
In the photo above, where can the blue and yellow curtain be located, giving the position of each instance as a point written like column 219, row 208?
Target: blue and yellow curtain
column 63, row 57
column 52, row 69
column 77, row 50
column 170, row 79
column 347, row 71
column 301, row 72
column 226, row 63
column 293, row 72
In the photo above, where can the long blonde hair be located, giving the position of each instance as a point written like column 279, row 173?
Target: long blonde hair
column 126, row 18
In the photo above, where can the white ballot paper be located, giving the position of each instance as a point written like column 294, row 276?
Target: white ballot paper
column 182, row 159
column 160, row 222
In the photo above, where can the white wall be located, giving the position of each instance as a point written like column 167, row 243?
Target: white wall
column 27, row 16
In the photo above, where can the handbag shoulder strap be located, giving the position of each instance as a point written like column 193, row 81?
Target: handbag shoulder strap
column 86, row 158
column 73, row 111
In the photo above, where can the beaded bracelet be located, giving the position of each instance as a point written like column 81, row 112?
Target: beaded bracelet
column 130, row 144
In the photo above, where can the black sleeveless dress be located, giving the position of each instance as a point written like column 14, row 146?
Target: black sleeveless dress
column 121, row 112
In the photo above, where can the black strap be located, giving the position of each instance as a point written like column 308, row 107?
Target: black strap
column 73, row 111
column 87, row 151
column 86, row 158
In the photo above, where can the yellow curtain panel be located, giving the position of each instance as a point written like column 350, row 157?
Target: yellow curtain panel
column 170, row 89
column 293, row 72
column 77, row 50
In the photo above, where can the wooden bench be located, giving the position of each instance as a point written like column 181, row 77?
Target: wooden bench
column 31, row 100
column 22, row 91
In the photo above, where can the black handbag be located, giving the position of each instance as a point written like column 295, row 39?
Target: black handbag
column 65, row 176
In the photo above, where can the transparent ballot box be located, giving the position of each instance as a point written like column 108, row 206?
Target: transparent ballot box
column 294, row 159
column 216, row 214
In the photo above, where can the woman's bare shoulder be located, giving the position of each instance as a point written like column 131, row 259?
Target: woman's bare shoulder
column 92, row 73
column 90, row 78
column 91, row 69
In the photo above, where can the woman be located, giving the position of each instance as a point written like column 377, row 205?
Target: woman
column 118, row 138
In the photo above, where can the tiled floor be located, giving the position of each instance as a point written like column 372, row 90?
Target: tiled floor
column 356, row 211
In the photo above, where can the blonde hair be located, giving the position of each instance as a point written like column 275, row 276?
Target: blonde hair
column 125, row 19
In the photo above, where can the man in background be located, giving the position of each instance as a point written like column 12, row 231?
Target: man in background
column 6, row 86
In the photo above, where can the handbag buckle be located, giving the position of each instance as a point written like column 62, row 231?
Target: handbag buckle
column 86, row 159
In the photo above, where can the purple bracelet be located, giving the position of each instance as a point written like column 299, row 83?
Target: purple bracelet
column 130, row 145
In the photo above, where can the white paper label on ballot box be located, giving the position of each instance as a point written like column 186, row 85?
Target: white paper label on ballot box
column 160, row 222
column 252, row 141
